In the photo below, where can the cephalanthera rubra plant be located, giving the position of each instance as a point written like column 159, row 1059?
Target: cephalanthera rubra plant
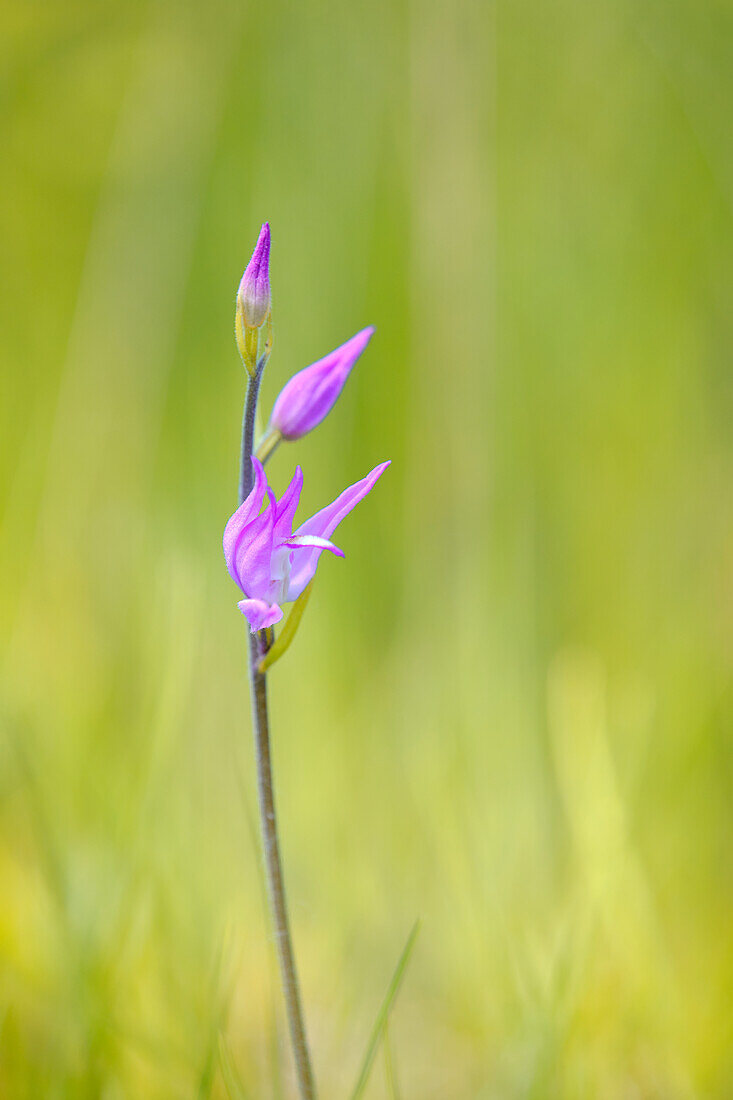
column 274, row 563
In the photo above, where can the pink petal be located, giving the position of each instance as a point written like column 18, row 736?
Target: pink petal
column 287, row 506
column 322, row 525
column 245, row 513
column 260, row 614
column 253, row 563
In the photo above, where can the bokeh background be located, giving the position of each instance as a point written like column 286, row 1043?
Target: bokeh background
column 508, row 711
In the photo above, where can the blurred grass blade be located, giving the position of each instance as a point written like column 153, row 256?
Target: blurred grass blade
column 288, row 631
column 206, row 1083
column 393, row 1091
column 383, row 1015
column 230, row 1076
column 222, row 985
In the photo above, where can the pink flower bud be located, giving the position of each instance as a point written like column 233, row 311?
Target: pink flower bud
column 311, row 393
column 253, row 297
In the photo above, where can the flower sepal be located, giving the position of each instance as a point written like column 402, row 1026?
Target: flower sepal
column 254, row 344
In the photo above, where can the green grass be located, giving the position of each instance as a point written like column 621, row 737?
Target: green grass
column 508, row 709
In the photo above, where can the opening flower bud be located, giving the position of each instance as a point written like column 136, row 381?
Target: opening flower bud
column 253, row 297
column 311, row 393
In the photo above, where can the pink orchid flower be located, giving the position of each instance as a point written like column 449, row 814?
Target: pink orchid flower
column 266, row 559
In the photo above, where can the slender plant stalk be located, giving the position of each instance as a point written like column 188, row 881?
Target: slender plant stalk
column 249, row 416
column 258, row 645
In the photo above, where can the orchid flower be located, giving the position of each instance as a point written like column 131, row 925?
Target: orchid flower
column 269, row 562
column 311, row 393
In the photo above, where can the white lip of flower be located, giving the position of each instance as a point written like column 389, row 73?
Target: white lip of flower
column 281, row 560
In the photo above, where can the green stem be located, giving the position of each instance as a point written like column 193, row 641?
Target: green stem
column 246, row 475
column 273, row 867
column 258, row 645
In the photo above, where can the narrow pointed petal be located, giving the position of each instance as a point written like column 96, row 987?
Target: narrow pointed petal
column 322, row 525
column 244, row 515
column 253, row 561
column 260, row 614
column 311, row 393
column 287, row 506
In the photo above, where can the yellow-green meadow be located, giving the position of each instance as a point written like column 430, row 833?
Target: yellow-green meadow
column 507, row 712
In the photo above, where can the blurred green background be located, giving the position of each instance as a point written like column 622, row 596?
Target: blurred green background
column 508, row 711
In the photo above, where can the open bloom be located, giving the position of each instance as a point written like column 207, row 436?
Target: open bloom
column 271, row 563
column 253, row 296
column 312, row 392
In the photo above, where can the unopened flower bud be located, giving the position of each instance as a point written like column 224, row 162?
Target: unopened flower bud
column 253, row 297
column 311, row 393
